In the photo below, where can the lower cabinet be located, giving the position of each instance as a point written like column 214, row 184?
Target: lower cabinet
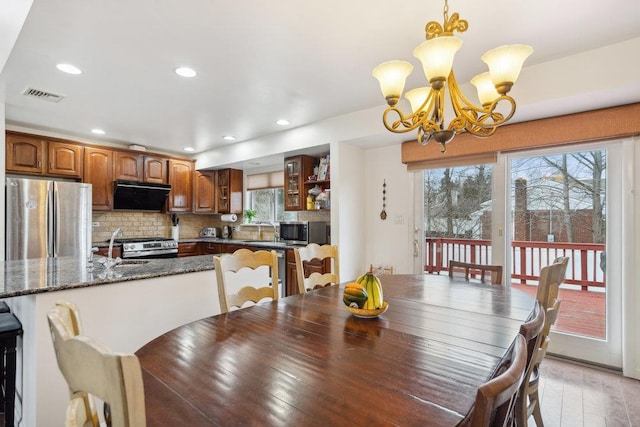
column 104, row 251
column 210, row 248
column 188, row 249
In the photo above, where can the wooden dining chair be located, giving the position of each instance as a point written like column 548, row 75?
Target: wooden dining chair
column 313, row 280
column 550, row 279
column 234, row 290
column 528, row 401
column 495, row 399
column 470, row 271
column 91, row 369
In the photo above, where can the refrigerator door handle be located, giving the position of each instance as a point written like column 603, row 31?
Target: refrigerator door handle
column 56, row 221
column 50, row 215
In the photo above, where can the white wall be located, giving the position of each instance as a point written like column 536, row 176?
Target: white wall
column 347, row 208
column 389, row 242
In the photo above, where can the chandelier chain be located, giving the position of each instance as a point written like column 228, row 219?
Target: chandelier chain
column 446, row 10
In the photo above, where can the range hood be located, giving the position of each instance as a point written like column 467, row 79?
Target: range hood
column 140, row 196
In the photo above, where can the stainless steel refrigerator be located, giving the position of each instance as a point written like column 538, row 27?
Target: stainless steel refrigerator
column 47, row 219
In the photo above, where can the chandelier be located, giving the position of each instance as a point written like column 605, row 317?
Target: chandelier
column 427, row 103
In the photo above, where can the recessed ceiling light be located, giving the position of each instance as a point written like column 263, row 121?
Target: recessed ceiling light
column 283, row 122
column 68, row 68
column 185, row 72
column 98, row 131
column 189, row 149
column 229, row 138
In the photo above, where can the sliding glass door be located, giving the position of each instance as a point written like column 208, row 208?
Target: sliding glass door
column 568, row 202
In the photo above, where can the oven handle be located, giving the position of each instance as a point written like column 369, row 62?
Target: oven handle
column 149, row 254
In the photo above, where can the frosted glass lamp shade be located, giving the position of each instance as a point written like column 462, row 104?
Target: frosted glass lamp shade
column 392, row 76
column 486, row 90
column 505, row 63
column 437, row 56
column 417, row 97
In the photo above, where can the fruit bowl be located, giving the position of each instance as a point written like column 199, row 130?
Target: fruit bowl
column 368, row 314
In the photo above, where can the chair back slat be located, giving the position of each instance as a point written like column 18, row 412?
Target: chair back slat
column 315, row 280
column 233, row 292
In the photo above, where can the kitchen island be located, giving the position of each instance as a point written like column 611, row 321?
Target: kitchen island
column 123, row 308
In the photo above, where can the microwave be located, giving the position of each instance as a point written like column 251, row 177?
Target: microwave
column 304, row 232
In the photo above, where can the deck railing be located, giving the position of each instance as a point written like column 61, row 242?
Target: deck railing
column 585, row 269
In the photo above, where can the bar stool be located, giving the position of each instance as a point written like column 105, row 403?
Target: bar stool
column 10, row 329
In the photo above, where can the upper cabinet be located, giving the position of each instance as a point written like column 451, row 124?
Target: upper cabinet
column 204, row 192
column 155, row 169
column 181, row 180
column 229, row 187
column 34, row 155
column 297, row 171
column 137, row 167
column 98, row 171
column 128, row 166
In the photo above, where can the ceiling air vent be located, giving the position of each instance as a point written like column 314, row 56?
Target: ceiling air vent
column 43, row 95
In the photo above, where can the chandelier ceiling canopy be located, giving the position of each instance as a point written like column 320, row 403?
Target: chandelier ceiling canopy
column 427, row 103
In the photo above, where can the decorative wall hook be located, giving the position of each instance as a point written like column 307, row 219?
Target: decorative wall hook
column 383, row 214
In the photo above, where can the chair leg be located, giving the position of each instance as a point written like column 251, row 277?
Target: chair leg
column 521, row 411
column 537, row 415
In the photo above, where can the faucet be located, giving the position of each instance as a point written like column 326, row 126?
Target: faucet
column 276, row 235
column 110, row 261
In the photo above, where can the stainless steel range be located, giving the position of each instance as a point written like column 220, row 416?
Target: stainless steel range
column 148, row 247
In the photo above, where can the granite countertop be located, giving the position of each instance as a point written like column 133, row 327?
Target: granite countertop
column 24, row 277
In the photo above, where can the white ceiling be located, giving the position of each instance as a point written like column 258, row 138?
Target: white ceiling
column 258, row 61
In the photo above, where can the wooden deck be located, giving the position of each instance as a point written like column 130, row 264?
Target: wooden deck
column 581, row 312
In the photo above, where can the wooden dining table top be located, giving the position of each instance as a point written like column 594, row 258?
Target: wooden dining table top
column 305, row 360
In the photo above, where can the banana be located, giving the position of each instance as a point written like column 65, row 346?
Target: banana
column 372, row 285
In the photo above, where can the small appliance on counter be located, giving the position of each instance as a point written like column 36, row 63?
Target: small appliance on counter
column 210, row 232
column 304, row 232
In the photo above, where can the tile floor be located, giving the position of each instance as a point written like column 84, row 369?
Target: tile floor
column 579, row 395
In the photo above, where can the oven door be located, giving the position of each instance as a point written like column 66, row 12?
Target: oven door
column 151, row 254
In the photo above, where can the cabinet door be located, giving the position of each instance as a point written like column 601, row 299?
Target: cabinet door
column 98, row 171
column 188, row 249
column 128, row 166
column 204, row 193
column 236, row 191
column 65, row 159
column 223, row 191
column 155, row 169
column 25, row 154
column 181, row 180
column 211, row 248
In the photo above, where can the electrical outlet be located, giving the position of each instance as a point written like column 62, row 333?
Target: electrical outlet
column 96, row 224
column 398, row 219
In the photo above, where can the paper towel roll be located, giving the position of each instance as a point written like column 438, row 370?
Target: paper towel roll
column 229, row 217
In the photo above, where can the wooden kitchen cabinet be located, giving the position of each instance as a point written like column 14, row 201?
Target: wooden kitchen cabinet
column 128, row 166
column 25, row 153
column 181, row 180
column 140, row 168
column 204, row 192
column 229, row 187
column 104, row 251
column 188, row 249
column 155, row 169
column 210, row 248
column 296, row 171
column 65, row 159
column 98, row 171
column 32, row 154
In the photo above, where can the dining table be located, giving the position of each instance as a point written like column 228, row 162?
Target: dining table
column 306, row 360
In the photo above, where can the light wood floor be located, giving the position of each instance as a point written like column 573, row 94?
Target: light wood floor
column 579, row 395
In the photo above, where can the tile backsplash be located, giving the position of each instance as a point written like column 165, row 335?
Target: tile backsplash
column 149, row 224
column 156, row 224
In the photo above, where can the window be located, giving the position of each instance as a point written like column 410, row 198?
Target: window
column 265, row 195
column 268, row 204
